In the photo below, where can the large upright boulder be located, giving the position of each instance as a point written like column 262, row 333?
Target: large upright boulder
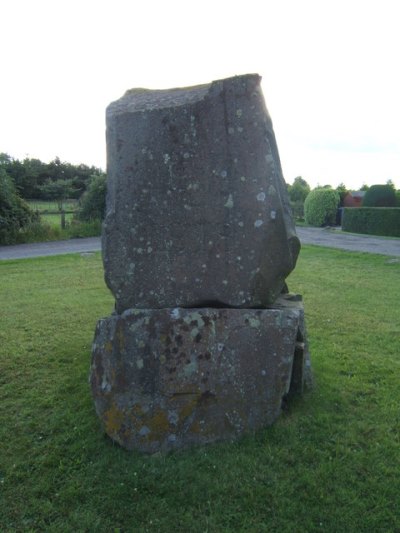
column 197, row 209
column 197, row 243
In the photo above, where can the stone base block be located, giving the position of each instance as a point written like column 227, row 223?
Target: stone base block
column 170, row 378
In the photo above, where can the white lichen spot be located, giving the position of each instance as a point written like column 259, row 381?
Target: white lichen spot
column 173, row 417
column 203, row 266
column 254, row 322
column 217, row 256
column 175, row 313
column 263, row 373
column 242, row 178
column 240, row 129
column 261, row 196
column 144, row 430
column 229, row 202
column 273, row 215
column 269, row 158
column 239, row 113
column 139, row 363
column 187, row 207
column 258, row 223
column 149, row 250
column 210, row 243
column 223, row 173
column 231, row 130
column 235, row 160
column 140, row 250
column 238, row 258
column 241, row 224
column 220, row 346
column 186, row 155
column 166, row 158
column 225, row 282
column 271, row 190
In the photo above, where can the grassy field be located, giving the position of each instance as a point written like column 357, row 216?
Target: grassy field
column 331, row 463
column 49, row 206
column 54, row 220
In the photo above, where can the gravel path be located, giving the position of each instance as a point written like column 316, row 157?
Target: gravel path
column 332, row 238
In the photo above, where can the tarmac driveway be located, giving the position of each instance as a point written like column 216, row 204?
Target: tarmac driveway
column 330, row 237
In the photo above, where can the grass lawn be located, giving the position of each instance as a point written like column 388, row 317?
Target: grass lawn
column 331, row 463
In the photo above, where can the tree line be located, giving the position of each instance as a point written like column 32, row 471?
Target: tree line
column 32, row 177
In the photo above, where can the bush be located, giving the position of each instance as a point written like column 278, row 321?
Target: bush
column 15, row 213
column 320, row 207
column 93, row 201
column 372, row 220
column 380, row 196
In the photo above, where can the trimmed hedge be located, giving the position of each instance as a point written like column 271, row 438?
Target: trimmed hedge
column 320, row 207
column 380, row 196
column 372, row 220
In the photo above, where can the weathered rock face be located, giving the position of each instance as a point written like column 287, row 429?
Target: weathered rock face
column 197, row 243
column 170, row 378
column 197, row 209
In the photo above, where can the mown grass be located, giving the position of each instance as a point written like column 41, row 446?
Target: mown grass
column 331, row 463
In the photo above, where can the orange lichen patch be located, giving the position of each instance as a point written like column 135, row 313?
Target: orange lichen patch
column 158, row 425
column 188, row 408
column 108, row 347
column 113, row 419
column 121, row 337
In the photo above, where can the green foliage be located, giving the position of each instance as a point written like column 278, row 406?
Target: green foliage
column 330, row 463
column 380, row 196
column 93, row 201
column 320, row 207
column 30, row 175
column 59, row 190
column 372, row 220
column 297, row 193
column 299, row 190
column 342, row 190
column 15, row 214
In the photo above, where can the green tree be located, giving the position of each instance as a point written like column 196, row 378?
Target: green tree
column 342, row 190
column 14, row 212
column 93, row 201
column 298, row 192
column 320, row 207
column 59, row 190
column 380, row 196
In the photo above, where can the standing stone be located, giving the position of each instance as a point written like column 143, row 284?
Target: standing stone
column 197, row 209
column 197, row 242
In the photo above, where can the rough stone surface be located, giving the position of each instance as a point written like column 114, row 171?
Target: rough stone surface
column 197, row 209
column 169, row 378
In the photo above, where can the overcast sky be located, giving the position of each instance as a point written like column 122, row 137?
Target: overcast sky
column 330, row 69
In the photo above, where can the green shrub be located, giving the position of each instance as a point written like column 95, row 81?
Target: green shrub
column 320, row 207
column 93, row 201
column 372, row 220
column 380, row 196
column 15, row 213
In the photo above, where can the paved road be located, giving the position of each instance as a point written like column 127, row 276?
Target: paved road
column 37, row 249
column 332, row 238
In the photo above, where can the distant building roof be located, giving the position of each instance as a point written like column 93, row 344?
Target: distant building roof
column 357, row 194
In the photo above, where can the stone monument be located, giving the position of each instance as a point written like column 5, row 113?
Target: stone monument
column 204, row 343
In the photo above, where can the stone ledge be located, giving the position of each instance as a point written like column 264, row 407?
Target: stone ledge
column 164, row 379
